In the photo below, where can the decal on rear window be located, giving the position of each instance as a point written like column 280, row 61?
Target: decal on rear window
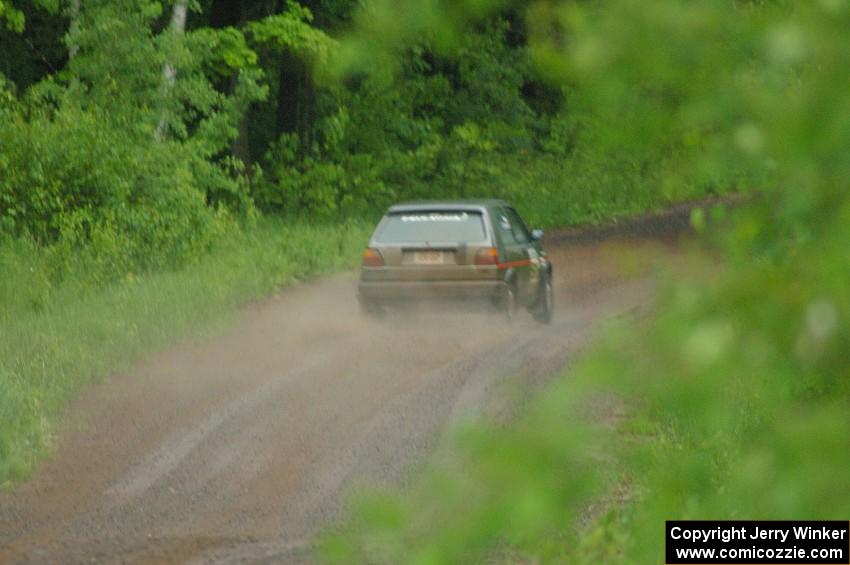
column 435, row 217
column 429, row 227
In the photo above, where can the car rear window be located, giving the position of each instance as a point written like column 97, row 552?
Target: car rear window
column 432, row 227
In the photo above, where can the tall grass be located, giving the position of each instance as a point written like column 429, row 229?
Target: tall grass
column 56, row 337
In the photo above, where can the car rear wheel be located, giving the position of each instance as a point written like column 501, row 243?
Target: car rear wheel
column 545, row 306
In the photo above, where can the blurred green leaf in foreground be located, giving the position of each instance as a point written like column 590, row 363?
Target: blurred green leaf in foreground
column 736, row 390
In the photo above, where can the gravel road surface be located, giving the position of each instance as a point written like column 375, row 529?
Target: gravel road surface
column 238, row 447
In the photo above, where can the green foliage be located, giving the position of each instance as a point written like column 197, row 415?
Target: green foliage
column 12, row 18
column 734, row 394
column 80, row 164
column 33, row 46
column 436, row 126
column 136, row 209
column 291, row 30
column 470, row 119
column 221, row 51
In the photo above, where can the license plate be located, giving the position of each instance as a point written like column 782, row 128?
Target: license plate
column 428, row 258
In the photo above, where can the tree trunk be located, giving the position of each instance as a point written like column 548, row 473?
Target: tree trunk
column 224, row 13
column 74, row 15
column 295, row 100
column 169, row 73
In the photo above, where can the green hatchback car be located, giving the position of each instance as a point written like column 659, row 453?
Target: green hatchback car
column 456, row 250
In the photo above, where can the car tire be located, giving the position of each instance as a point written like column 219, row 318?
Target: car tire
column 545, row 307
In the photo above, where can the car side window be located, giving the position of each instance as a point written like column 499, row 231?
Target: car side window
column 520, row 232
column 506, row 229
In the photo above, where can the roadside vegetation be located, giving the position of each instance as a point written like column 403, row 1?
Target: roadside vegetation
column 730, row 401
column 160, row 162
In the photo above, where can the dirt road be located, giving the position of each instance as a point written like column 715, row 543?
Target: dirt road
column 238, row 447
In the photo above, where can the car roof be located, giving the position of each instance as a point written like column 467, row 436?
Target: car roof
column 464, row 204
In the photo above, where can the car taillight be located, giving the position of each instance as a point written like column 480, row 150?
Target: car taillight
column 487, row 256
column 372, row 258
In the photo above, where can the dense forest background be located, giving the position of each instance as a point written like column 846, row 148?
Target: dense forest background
column 136, row 133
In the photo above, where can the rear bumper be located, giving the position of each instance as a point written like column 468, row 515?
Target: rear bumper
column 396, row 291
